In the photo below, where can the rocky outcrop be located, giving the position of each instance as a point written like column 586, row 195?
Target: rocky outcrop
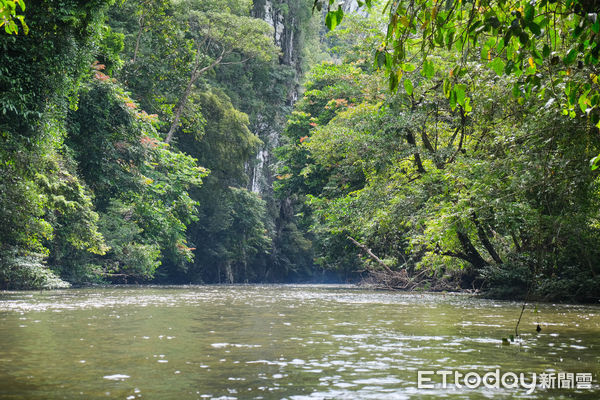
column 286, row 17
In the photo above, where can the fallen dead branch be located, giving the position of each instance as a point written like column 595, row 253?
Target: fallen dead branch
column 401, row 279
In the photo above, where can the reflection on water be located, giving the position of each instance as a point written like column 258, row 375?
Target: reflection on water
column 274, row 342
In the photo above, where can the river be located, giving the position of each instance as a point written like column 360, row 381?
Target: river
column 288, row 342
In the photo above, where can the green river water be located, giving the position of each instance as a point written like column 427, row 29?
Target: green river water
column 283, row 342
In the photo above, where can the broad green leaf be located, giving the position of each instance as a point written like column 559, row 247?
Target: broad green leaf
column 582, row 104
column 408, row 67
column 584, row 101
column 546, row 51
column 380, row 59
column 497, row 65
column 523, row 37
column 535, row 28
column 595, row 162
column 428, row 70
column 529, row 12
column 446, row 87
column 331, row 20
column 452, row 99
column 570, row 57
column 449, row 39
column 507, row 37
column 408, row 86
column 334, row 18
column 516, row 90
column 460, row 93
column 393, row 82
column 468, row 108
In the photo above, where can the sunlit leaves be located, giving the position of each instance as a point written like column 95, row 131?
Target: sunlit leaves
column 520, row 42
column 408, row 86
column 595, row 163
column 8, row 15
column 498, row 66
column 428, row 70
column 334, row 18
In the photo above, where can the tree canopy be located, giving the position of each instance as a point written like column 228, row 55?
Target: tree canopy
column 548, row 49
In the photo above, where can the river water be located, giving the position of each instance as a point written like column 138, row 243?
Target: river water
column 286, row 342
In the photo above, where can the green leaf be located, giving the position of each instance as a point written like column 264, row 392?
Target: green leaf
column 450, row 39
column 535, row 28
column 340, row 15
column 497, row 65
column 334, row 18
column 595, row 162
column 523, row 37
column 570, row 57
column 460, row 94
column 484, row 52
column 468, row 108
column 452, row 100
column 509, row 67
column 583, row 102
column 546, row 51
column 474, row 26
column 447, row 87
column 507, row 37
column 380, row 59
column 408, row 86
column 516, row 90
column 529, row 12
column 408, row 67
column 331, row 20
column 393, row 81
column 428, row 70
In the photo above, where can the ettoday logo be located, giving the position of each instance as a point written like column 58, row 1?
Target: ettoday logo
column 507, row 380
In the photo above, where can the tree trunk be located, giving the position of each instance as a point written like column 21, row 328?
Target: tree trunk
column 196, row 73
column 410, row 138
column 229, row 273
column 179, row 109
column 485, row 240
column 471, row 253
column 139, row 36
column 427, row 143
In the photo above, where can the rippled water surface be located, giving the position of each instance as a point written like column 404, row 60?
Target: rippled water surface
column 275, row 342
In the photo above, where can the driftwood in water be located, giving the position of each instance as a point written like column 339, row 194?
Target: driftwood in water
column 388, row 278
column 400, row 280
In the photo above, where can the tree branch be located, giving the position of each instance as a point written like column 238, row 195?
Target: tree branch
column 370, row 253
column 196, row 73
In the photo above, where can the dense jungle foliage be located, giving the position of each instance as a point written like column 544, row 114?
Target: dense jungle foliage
column 126, row 140
column 435, row 145
column 478, row 163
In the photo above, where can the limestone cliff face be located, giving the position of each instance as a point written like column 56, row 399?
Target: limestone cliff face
column 286, row 17
column 289, row 19
column 283, row 16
